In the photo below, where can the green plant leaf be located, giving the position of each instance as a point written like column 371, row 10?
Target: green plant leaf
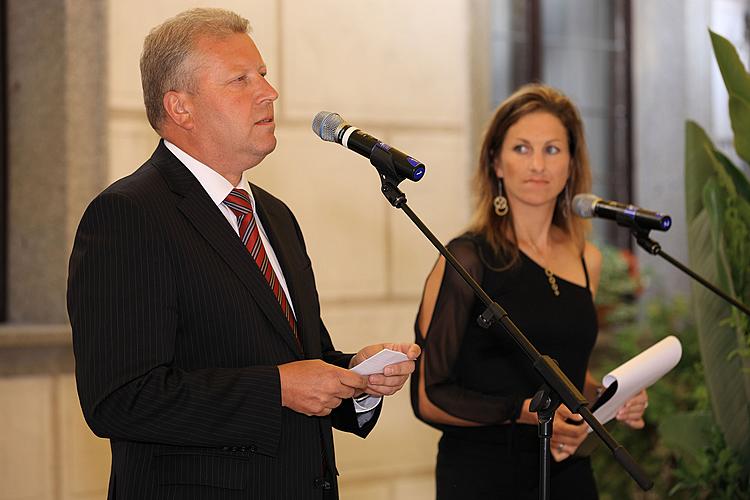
column 728, row 385
column 739, row 113
column 718, row 216
column 687, row 434
column 736, row 77
column 698, row 167
column 715, row 205
column 740, row 182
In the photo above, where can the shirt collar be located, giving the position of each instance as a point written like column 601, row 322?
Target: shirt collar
column 212, row 181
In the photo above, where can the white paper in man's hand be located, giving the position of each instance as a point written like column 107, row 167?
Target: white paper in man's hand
column 376, row 363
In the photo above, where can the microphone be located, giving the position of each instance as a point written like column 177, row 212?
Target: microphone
column 590, row 205
column 389, row 161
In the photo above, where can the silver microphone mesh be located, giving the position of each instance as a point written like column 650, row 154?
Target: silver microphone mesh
column 326, row 125
column 583, row 204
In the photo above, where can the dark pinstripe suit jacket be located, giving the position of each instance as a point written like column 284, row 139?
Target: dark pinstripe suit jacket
column 177, row 336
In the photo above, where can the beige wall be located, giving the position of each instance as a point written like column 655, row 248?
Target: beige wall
column 399, row 70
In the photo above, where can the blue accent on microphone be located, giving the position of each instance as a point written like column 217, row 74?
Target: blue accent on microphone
column 418, row 173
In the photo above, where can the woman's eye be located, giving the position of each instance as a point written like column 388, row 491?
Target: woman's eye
column 521, row 148
column 553, row 150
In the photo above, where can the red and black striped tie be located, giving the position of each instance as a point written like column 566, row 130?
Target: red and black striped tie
column 239, row 203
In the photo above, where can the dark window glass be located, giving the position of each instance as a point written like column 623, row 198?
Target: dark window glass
column 3, row 162
column 581, row 47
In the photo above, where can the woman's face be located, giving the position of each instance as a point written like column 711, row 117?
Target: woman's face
column 534, row 160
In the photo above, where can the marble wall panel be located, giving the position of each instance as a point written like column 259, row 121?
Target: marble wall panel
column 420, row 486
column 441, row 199
column 27, row 440
column 357, row 324
column 85, row 458
column 335, row 195
column 371, row 490
column 131, row 142
column 392, row 61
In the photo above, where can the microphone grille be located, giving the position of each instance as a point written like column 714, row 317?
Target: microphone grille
column 326, row 125
column 583, row 204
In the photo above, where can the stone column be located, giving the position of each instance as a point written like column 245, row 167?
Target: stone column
column 57, row 151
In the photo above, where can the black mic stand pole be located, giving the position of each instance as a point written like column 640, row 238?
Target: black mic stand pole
column 557, row 387
column 652, row 247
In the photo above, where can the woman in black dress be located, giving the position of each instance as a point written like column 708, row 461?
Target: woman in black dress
column 531, row 256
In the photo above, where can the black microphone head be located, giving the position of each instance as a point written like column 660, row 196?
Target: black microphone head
column 583, row 204
column 326, row 125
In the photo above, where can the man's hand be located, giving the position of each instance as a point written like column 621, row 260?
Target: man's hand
column 394, row 376
column 314, row 387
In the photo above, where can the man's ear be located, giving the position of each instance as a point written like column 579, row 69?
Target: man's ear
column 178, row 108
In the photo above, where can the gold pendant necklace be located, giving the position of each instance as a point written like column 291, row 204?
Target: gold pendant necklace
column 552, row 281
column 547, row 271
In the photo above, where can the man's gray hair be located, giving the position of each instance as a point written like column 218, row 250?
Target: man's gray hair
column 166, row 59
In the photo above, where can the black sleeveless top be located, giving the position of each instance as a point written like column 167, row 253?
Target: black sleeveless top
column 482, row 375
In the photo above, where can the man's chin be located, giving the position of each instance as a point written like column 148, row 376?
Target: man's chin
column 258, row 155
column 271, row 148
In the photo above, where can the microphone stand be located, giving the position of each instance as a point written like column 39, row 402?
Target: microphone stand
column 557, row 387
column 644, row 241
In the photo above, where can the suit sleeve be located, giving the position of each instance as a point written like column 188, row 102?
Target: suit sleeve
column 123, row 312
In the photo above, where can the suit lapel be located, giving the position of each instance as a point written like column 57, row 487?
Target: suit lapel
column 273, row 226
column 210, row 223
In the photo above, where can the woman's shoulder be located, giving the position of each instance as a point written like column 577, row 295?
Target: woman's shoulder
column 467, row 242
column 592, row 258
column 592, row 255
column 473, row 248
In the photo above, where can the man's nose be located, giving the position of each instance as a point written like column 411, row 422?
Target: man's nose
column 270, row 93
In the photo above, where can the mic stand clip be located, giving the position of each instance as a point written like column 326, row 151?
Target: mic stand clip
column 644, row 241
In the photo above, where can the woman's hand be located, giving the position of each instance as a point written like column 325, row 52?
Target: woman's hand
column 568, row 432
column 631, row 413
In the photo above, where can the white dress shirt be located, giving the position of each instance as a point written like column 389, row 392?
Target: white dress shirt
column 218, row 188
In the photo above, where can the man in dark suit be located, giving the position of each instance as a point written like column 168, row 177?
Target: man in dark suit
column 200, row 352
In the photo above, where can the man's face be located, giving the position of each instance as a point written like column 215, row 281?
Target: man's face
column 232, row 109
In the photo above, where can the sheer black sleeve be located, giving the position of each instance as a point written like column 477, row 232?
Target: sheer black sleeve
column 441, row 346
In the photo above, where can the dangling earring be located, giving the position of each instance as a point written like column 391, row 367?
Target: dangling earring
column 500, row 202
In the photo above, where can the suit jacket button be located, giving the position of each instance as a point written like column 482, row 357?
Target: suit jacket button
column 253, row 448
